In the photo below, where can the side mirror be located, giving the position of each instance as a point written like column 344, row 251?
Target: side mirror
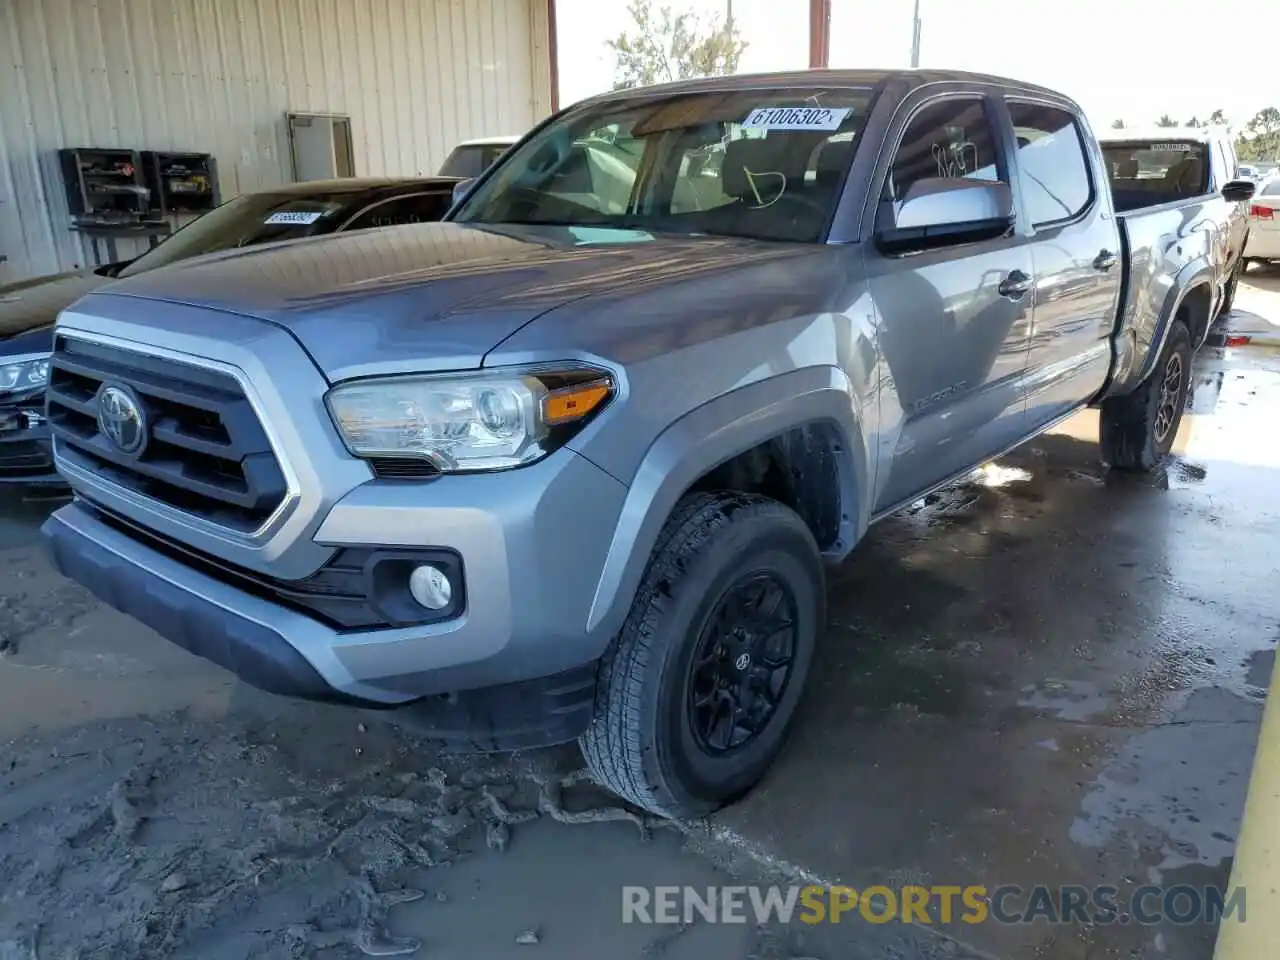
column 939, row 211
column 1239, row 191
column 461, row 189
column 112, row 269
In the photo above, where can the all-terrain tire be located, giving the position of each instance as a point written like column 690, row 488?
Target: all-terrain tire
column 1129, row 433
column 641, row 743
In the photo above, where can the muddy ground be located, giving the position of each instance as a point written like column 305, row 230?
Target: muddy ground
column 1047, row 674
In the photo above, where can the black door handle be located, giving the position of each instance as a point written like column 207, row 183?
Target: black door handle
column 1105, row 260
column 1015, row 285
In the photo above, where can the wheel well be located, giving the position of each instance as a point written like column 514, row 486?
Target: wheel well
column 800, row 468
column 1193, row 311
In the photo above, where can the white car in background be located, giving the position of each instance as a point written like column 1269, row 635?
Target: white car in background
column 471, row 158
column 1264, row 223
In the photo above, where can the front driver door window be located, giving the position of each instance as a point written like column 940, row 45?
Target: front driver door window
column 955, row 343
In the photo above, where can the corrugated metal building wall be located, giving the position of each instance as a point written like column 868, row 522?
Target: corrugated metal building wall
column 218, row 76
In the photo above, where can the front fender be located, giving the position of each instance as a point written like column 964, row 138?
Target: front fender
column 705, row 438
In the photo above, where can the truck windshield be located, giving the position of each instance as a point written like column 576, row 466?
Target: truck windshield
column 246, row 220
column 761, row 164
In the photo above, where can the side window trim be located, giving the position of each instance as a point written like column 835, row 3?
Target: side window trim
column 383, row 202
column 889, row 150
column 1229, row 167
column 1081, row 141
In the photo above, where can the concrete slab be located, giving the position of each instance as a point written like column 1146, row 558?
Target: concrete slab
column 1051, row 674
column 1256, row 316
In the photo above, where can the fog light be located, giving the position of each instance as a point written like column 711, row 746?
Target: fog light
column 430, row 587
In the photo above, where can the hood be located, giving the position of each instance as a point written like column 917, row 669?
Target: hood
column 428, row 297
column 29, row 307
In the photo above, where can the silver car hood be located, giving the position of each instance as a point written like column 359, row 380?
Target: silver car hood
column 425, row 297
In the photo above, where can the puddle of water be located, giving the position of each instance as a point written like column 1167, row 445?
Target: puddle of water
column 1259, row 667
column 1076, row 701
column 1177, row 790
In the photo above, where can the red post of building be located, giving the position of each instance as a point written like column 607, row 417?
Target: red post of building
column 819, row 33
column 553, row 51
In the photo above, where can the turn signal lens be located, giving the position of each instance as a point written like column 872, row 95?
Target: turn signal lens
column 573, row 403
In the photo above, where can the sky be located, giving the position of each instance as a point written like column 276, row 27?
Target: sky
column 1120, row 59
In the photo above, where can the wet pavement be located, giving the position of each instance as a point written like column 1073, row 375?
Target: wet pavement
column 1256, row 318
column 1049, row 674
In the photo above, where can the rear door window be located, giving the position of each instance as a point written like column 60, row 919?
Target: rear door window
column 1052, row 165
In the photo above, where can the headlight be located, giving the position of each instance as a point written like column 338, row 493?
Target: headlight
column 26, row 374
column 485, row 420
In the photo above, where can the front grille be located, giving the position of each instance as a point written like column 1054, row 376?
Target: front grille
column 206, row 452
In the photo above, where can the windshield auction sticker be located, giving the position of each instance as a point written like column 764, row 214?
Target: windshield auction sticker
column 795, row 118
column 299, row 217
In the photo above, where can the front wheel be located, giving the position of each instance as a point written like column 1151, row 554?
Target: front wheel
column 1137, row 430
column 695, row 694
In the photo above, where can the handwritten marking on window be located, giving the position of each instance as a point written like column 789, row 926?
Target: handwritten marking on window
column 955, row 160
column 761, row 203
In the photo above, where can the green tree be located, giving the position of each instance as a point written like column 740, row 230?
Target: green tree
column 1260, row 138
column 1117, row 124
column 662, row 45
column 1166, row 121
column 1195, row 122
column 1218, row 119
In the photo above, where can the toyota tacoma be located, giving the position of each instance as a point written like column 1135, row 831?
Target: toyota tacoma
column 571, row 463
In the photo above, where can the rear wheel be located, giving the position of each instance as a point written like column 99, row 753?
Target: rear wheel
column 1137, row 430
column 695, row 694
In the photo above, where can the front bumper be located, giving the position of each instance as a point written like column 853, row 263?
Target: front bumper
column 251, row 640
column 532, row 542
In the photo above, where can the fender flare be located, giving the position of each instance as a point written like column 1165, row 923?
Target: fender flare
column 708, row 436
column 1198, row 273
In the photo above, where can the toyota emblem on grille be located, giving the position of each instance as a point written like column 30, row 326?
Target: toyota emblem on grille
column 122, row 418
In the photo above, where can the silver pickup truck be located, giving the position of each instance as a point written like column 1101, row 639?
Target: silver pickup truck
column 570, row 464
